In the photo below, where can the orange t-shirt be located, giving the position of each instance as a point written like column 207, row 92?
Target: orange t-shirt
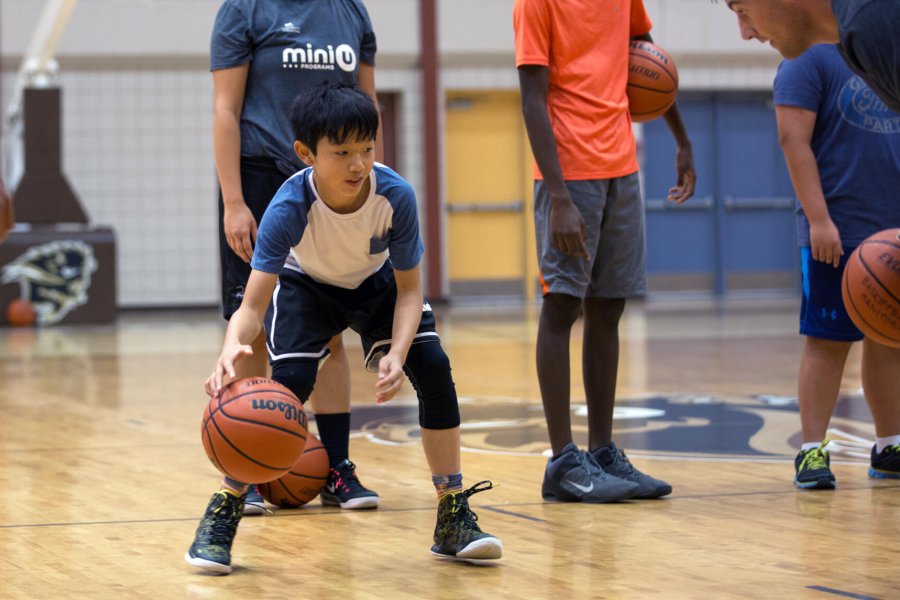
column 584, row 43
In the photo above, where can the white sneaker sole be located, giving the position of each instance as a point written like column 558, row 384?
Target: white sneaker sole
column 207, row 565
column 354, row 503
column 364, row 502
column 480, row 551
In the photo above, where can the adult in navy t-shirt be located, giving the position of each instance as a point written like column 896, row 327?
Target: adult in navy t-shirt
column 856, row 142
column 289, row 46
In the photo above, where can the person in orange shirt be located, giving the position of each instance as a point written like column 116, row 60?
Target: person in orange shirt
column 572, row 60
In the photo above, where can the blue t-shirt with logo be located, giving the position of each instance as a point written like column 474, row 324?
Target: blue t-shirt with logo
column 300, row 232
column 291, row 45
column 856, row 142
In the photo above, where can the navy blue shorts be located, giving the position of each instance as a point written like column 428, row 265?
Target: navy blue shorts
column 305, row 315
column 822, row 312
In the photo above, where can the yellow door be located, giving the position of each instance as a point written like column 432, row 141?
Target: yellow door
column 490, row 225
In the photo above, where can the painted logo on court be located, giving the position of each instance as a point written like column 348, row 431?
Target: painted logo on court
column 53, row 277
column 320, row 59
column 689, row 426
column 862, row 108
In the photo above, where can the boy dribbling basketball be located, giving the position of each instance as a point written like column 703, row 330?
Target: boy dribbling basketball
column 339, row 247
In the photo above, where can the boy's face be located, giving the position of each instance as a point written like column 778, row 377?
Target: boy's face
column 782, row 23
column 341, row 170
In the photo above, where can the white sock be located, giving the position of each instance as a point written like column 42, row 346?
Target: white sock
column 807, row 446
column 882, row 443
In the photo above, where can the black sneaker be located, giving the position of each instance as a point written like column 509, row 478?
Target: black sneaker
column 211, row 549
column 812, row 469
column 613, row 461
column 344, row 489
column 886, row 464
column 457, row 534
column 254, row 503
column 572, row 477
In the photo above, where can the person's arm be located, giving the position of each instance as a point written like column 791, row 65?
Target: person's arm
column 7, row 213
column 795, row 131
column 684, row 154
column 566, row 225
column 407, row 315
column 229, row 86
column 243, row 328
column 366, row 81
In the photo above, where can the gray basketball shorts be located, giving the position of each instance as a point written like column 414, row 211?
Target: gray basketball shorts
column 613, row 215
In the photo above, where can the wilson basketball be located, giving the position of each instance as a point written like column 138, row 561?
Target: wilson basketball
column 20, row 313
column 871, row 287
column 303, row 482
column 255, row 430
column 652, row 81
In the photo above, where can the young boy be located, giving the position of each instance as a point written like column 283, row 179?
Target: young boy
column 339, row 247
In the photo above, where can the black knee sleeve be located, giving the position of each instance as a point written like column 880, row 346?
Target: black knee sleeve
column 428, row 369
column 297, row 376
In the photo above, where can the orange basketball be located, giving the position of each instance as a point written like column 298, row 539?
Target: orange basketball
column 652, row 81
column 871, row 287
column 20, row 313
column 303, row 482
column 255, row 430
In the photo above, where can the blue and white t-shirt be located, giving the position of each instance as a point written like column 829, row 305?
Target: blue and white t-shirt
column 856, row 142
column 300, row 232
column 291, row 45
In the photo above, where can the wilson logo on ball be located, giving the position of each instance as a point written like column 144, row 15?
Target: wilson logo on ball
column 289, row 410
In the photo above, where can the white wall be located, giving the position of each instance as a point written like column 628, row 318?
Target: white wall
column 137, row 108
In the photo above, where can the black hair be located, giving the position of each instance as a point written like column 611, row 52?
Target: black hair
column 336, row 111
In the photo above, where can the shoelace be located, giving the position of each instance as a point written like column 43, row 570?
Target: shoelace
column 815, row 458
column 222, row 528
column 461, row 504
column 895, row 449
column 622, row 461
column 346, row 477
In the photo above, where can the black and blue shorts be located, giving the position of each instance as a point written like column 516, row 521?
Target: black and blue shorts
column 305, row 314
column 822, row 312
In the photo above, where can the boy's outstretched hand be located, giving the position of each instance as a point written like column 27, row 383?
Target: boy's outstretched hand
column 390, row 377
column 225, row 366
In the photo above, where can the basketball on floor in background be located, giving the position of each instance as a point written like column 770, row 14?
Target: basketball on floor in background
column 303, row 482
column 255, row 430
column 20, row 313
column 652, row 81
column 871, row 287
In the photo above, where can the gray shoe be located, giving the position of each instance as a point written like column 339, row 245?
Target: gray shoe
column 613, row 461
column 254, row 503
column 572, row 477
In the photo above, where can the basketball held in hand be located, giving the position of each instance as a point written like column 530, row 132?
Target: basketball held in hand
column 255, row 430
column 652, row 81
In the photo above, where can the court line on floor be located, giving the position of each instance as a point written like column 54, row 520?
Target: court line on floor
column 502, row 509
column 828, row 590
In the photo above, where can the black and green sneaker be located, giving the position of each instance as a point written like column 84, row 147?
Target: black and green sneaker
column 812, row 469
column 885, row 464
column 211, row 550
column 457, row 534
